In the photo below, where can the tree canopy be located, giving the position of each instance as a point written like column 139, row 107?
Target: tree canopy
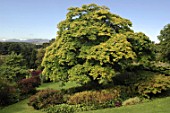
column 27, row 50
column 164, row 38
column 92, row 45
column 13, row 68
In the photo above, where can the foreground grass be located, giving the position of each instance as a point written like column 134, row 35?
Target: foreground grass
column 161, row 105
column 20, row 107
column 156, row 106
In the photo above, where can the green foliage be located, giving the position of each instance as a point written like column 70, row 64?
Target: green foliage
column 65, row 108
column 62, row 108
column 93, row 45
column 164, row 38
column 142, row 46
column 9, row 93
column 152, row 85
column 13, row 68
column 160, row 67
column 27, row 50
column 45, row 98
column 39, row 57
column 145, row 83
column 131, row 101
column 2, row 58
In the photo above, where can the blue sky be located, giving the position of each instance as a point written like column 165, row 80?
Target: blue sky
column 27, row 19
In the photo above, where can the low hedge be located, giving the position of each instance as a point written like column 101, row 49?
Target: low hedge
column 45, row 98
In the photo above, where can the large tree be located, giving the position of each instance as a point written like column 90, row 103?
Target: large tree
column 93, row 45
column 164, row 45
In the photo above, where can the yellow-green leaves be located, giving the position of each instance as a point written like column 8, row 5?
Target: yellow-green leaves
column 92, row 45
column 111, row 51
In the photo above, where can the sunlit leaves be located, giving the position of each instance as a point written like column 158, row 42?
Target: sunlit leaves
column 92, row 45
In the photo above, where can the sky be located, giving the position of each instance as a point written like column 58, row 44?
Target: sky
column 28, row 19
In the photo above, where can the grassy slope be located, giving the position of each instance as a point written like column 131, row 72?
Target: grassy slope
column 161, row 105
column 156, row 106
column 20, row 107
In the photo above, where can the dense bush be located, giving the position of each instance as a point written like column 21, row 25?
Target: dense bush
column 13, row 68
column 45, row 98
column 62, row 108
column 131, row 101
column 27, row 50
column 65, row 108
column 9, row 93
column 153, row 85
column 29, row 85
column 94, row 97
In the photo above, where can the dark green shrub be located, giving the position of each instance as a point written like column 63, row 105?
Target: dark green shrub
column 9, row 93
column 28, row 86
column 45, row 98
column 153, row 85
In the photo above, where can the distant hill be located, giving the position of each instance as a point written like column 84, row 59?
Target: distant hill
column 33, row 41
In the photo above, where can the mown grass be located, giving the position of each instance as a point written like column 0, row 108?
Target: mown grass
column 161, row 105
column 20, row 107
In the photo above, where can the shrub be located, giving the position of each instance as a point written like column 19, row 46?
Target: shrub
column 45, row 98
column 94, row 97
column 62, row 108
column 131, row 101
column 153, row 85
column 9, row 93
column 29, row 85
column 65, row 108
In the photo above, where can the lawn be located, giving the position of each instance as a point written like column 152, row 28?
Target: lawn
column 160, row 105
column 20, row 107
